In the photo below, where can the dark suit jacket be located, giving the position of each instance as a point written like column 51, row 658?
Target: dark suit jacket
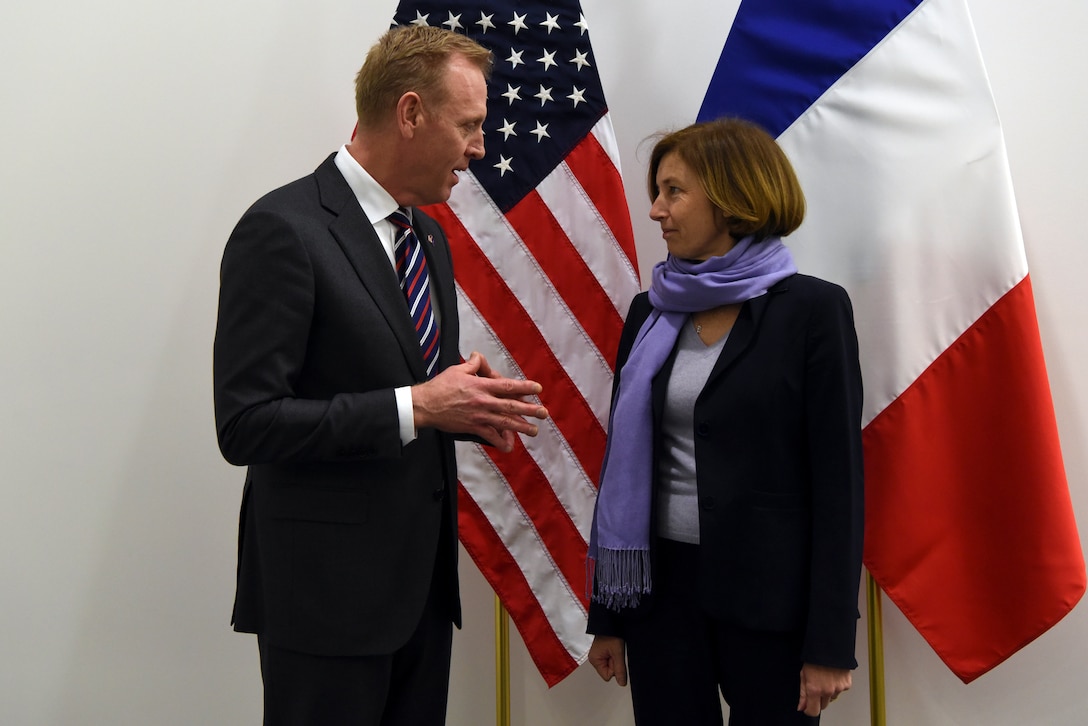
column 340, row 525
column 778, row 468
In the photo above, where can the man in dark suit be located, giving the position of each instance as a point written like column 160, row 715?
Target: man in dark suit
column 344, row 403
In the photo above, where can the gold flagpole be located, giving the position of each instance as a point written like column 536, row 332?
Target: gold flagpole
column 502, row 665
column 877, row 716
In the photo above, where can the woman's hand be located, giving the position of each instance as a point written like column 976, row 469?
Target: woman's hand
column 608, row 656
column 820, row 686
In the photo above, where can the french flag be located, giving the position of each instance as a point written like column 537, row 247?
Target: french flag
column 885, row 109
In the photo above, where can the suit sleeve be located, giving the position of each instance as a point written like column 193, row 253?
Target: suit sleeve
column 266, row 309
column 833, row 404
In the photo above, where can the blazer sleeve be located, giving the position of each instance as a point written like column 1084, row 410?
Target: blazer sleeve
column 262, row 350
column 833, row 407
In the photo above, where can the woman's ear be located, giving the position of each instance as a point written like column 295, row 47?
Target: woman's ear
column 724, row 222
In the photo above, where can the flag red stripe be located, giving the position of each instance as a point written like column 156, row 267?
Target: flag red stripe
column 506, row 579
column 568, row 273
column 600, row 178
column 506, row 316
column 969, row 527
column 557, row 531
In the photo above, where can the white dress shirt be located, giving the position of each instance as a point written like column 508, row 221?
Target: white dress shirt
column 377, row 205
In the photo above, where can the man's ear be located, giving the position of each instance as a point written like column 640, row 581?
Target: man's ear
column 409, row 113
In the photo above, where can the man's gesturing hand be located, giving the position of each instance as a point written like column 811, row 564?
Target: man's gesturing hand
column 470, row 398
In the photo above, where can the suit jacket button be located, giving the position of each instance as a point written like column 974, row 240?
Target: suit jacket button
column 703, row 429
column 439, row 494
column 707, row 503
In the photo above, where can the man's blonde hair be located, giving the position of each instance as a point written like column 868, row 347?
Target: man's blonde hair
column 411, row 58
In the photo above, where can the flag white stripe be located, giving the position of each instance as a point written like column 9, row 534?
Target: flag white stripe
column 549, row 449
column 492, row 494
column 576, row 214
column 605, row 134
column 559, row 327
column 908, row 242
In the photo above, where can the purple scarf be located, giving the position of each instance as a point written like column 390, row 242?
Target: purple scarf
column 619, row 543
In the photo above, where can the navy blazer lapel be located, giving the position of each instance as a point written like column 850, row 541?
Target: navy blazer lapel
column 740, row 338
column 744, row 329
column 356, row 236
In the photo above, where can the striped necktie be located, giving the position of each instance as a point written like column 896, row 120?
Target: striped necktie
column 416, row 284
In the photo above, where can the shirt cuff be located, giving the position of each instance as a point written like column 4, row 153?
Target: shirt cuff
column 406, row 414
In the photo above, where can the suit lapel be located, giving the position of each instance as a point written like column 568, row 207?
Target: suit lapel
column 740, row 337
column 356, row 237
column 744, row 330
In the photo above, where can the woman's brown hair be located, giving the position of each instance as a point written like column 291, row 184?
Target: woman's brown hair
column 743, row 172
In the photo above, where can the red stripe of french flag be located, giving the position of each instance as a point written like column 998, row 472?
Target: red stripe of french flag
column 972, row 434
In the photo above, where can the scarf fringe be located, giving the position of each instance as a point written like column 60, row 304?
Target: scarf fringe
column 620, row 577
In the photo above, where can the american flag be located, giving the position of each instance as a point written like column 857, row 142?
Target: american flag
column 546, row 267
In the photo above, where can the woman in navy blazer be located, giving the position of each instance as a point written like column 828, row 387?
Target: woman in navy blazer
column 726, row 547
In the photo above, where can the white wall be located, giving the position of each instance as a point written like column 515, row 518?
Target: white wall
column 133, row 135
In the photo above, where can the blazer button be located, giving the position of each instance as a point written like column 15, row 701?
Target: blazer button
column 703, row 429
column 439, row 494
column 707, row 503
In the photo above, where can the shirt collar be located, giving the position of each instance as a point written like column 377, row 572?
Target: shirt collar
column 377, row 203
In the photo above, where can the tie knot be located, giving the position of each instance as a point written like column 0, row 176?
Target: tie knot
column 400, row 219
